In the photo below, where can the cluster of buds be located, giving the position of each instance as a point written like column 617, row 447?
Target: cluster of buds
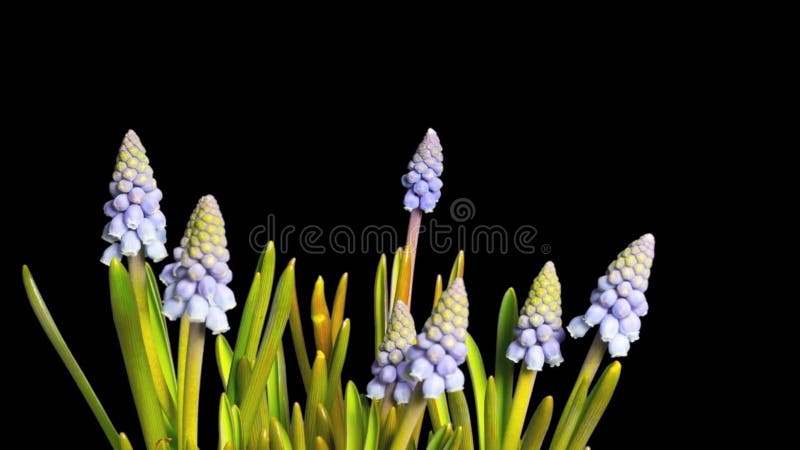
column 538, row 331
column 136, row 219
column 390, row 362
column 619, row 302
column 440, row 348
column 422, row 180
column 197, row 280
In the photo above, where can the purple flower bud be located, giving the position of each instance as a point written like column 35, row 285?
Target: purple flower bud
column 108, row 209
column 388, row 374
column 136, row 195
column 410, row 201
column 618, row 346
column 121, row 202
column 636, row 298
column 446, row 365
column 402, row 392
column 435, row 353
column 111, row 252
column 185, row 289
column 642, row 309
column 515, row 351
column 454, row 382
column 433, row 386
column 197, row 309
column 166, row 276
column 196, row 272
column 216, row 320
column 621, row 308
column 117, row 227
column 130, row 243
column 630, row 326
column 594, row 314
column 552, row 353
column 527, row 337
column 173, row 309
column 375, row 389
column 156, row 251
column 544, row 332
column 420, row 369
column 207, row 287
column 608, row 298
column 609, row 327
column 577, row 327
column 224, row 298
column 146, row 232
column 133, row 216
column 534, row 358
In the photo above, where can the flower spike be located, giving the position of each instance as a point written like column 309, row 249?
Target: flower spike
column 422, row 180
column 440, row 348
column 538, row 330
column 197, row 282
column 391, row 357
column 136, row 221
column 618, row 302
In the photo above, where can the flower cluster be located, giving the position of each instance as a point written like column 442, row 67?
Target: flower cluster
column 538, row 330
column 618, row 303
column 422, row 180
column 197, row 280
column 400, row 335
column 136, row 218
column 440, row 348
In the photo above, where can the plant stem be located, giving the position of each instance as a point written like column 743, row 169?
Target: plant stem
column 414, row 410
column 191, row 389
column 411, row 244
column 519, row 407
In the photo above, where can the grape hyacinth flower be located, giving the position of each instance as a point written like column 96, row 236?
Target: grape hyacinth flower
column 197, row 280
column 538, row 331
column 136, row 219
column 440, row 348
column 618, row 302
column 391, row 357
column 422, row 180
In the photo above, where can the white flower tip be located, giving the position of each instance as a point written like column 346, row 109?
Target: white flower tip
column 555, row 361
column 512, row 358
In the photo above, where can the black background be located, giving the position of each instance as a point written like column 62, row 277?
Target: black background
column 591, row 162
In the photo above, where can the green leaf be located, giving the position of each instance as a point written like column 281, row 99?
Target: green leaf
column 537, row 427
column 380, row 305
column 225, row 422
column 263, row 440
column 51, row 330
column 458, row 268
column 277, row 389
column 458, row 404
column 299, row 343
column 397, row 261
column 319, row 380
column 320, row 444
column 324, row 424
column 388, row 429
column 571, row 415
column 321, row 318
column 437, row 439
column 371, row 435
column 232, row 387
column 161, row 337
column 454, row 443
column 254, row 313
column 337, row 363
column 491, row 418
column 269, row 346
column 224, row 358
column 503, row 367
column 279, row 438
column 354, row 431
column 337, row 314
column 124, row 443
column 129, row 331
column 298, row 430
column 236, row 419
column 477, row 374
column 596, row 405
